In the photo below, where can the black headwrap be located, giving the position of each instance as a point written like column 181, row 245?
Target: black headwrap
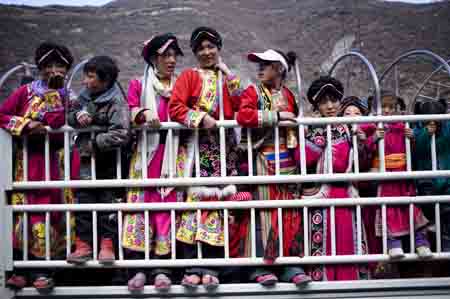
column 202, row 33
column 158, row 45
column 431, row 107
column 48, row 52
column 324, row 85
column 353, row 101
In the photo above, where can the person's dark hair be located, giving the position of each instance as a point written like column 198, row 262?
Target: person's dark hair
column 431, row 107
column 50, row 52
column 105, row 68
column 290, row 58
column 353, row 101
column 387, row 95
column 318, row 89
column 205, row 33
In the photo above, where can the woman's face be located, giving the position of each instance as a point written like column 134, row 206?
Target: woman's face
column 352, row 111
column 207, row 54
column 268, row 72
column 53, row 69
column 165, row 63
column 328, row 105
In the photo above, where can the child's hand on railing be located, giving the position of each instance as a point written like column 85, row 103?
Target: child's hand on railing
column 36, row 127
column 84, row 119
column 431, row 127
column 285, row 115
column 208, row 122
column 409, row 133
column 379, row 133
column 154, row 123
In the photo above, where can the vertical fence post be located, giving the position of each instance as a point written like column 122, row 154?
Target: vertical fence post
column 6, row 219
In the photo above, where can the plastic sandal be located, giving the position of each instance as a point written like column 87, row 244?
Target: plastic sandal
column 162, row 282
column 44, row 284
column 267, row 280
column 16, row 282
column 137, row 283
column 301, row 279
column 210, row 282
column 190, row 281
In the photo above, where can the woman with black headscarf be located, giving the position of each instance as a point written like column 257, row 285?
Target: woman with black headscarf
column 27, row 112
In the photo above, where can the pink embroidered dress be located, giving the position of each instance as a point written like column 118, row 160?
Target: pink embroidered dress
column 35, row 102
column 345, row 218
column 395, row 160
column 134, row 224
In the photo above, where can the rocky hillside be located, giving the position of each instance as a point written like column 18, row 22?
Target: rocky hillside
column 316, row 29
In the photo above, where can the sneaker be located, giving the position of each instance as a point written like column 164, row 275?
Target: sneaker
column 106, row 254
column 396, row 253
column 424, row 252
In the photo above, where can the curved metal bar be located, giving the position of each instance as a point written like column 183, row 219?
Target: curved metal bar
column 76, row 69
column 371, row 69
column 433, row 55
column 17, row 68
column 438, row 69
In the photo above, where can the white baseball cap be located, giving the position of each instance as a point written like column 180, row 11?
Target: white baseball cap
column 268, row 55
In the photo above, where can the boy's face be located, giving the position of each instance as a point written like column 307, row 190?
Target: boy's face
column 352, row 111
column 93, row 83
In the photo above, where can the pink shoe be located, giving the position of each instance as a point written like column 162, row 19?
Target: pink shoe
column 137, row 283
column 301, row 279
column 162, row 282
column 267, row 280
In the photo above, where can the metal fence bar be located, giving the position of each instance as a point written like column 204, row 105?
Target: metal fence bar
column 280, row 230
column 408, row 150
column 329, row 150
column 66, row 156
column 144, row 153
column 384, row 228
column 47, row 236
column 93, row 166
column 411, row 228
column 433, row 152
column 306, row 231
column 172, row 167
column 147, row 234
column 173, row 234
column 302, row 143
column 355, row 153
column 25, row 236
column 199, row 244
column 359, row 229
column 249, row 152
column 94, row 236
column 253, row 232
column 226, row 233
column 25, row 158
column 47, row 156
column 197, row 154
column 68, row 234
column 333, row 230
column 277, row 150
column 120, row 233
column 119, row 163
column 437, row 213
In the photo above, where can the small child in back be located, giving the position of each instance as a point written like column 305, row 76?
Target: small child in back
column 394, row 134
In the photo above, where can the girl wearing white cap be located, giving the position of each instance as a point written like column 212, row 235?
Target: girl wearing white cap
column 263, row 105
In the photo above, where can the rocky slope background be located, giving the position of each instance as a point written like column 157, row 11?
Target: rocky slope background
column 318, row 30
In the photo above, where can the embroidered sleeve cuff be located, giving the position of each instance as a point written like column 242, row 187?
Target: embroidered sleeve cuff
column 233, row 85
column 267, row 118
column 194, row 118
column 135, row 112
column 17, row 124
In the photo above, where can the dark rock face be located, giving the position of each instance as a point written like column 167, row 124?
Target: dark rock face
column 316, row 29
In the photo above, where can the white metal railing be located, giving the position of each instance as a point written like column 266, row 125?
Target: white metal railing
column 252, row 206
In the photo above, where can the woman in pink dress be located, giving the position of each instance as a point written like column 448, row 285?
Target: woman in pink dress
column 395, row 160
column 148, row 101
column 325, row 94
column 26, row 112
